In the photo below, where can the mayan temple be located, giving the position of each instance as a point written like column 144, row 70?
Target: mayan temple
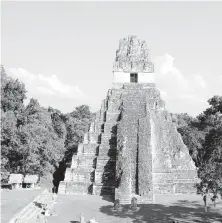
column 132, row 148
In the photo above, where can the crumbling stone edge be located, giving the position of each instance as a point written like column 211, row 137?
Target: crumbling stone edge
column 35, row 208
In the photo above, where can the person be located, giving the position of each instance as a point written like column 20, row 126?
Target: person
column 205, row 201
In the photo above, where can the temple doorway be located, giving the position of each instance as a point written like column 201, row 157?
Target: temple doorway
column 133, row 77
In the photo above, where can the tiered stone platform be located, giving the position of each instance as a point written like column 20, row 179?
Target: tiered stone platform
column 131, row 150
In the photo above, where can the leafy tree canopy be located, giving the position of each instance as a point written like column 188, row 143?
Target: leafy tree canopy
column 203, row 137
column 35, row 139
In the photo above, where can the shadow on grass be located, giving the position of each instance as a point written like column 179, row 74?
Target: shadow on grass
column 183, row 211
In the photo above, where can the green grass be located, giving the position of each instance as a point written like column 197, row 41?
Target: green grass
column 13, row 201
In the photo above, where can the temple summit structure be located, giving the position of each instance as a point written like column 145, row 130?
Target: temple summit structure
column 132, row 148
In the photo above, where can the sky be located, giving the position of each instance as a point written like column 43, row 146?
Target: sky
column 64, row 51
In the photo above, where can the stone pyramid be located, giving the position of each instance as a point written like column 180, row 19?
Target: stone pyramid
column 133, row 148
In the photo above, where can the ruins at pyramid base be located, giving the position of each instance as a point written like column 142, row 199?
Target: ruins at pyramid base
column 132, row 148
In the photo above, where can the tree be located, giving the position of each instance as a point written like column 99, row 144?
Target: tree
column 193, row 139
column 182, row 119
column 211, row 117
column 12, row 97
column 210, row 171
column 77, row 123
column 45, row 147
column 58, row 121
column 203, row 137
column 9, row 144
column 13, row 93
column 34, row 140
column 81, row 112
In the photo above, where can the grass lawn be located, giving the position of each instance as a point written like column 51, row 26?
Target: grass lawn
column 184, row 208
column 12, row 201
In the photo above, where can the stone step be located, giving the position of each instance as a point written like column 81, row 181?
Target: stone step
column 107, row 169
column 90, row 149
column 107, row 140
column 105, row 177
column 81, row 179
column 108, row 135
column 93, row 137
column 107, row 152
column 99, row 189
column 110, row 164
column 110, row 128
column 78, row 187
column 109, row 155
column 112, row 117
column 62, row 187
column 110, row 182
column 104, row 158
column 83, row 160
column 88, row 167
column 25, row 215
column 107, row 147
column 108, row 143
column 111, row 169
column 138, row 86
column 101, row 161
column 114, row 104
column 83, row 156
column 83, row 169
column 86, row 160
column 78, row 174
column 68, row 174
column 34, row 213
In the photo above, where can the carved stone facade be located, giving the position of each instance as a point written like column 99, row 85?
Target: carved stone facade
column 132, row 148
column 133, row 56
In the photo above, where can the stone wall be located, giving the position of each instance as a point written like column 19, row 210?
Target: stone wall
column 173, row 169
column 159, row 160
column 145, row 159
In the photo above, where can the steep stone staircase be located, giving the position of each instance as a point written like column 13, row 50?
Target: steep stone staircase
column 93, row 167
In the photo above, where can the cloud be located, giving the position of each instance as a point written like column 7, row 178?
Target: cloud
column 49, row 85
column 46, row 88
column 45, row 91
column 62, row 89
column 177, row 89
column 168, row 67
column 200, row 80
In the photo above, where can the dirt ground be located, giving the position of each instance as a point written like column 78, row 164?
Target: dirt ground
column 184, row 208
column 12, row 201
